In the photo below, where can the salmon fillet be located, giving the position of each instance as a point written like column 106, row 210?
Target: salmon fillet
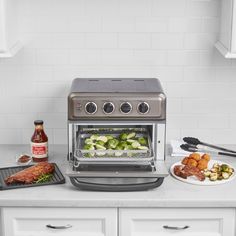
column 31, row 174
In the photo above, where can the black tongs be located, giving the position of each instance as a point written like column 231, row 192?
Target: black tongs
column 192, row 148
column 194, row 142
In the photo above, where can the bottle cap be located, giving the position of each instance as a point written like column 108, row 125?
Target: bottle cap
column 38, row 122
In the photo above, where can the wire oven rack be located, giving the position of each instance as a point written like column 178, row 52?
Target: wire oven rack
column 112, row 155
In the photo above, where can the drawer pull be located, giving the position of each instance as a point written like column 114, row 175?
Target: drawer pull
column 59, row 227
column 176, row 228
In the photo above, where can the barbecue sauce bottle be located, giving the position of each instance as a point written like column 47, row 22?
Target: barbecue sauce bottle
column 39, row 143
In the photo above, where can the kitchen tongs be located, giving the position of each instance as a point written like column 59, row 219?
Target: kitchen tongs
column 192, row 148
column 195, row 142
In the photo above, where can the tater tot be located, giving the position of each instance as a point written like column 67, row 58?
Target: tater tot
column 206, row 157
column 192, row 162
column 202, row 164
column 195, row 156
column 185, row 161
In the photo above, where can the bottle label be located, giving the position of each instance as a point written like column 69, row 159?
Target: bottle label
column 39, row 150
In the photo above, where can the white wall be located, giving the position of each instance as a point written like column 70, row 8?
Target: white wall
column 169, row 39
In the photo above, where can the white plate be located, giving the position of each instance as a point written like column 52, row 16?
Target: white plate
column 207, row 182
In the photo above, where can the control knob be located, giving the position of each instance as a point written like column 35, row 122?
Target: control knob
column 125, row 107
column 91, row 107
column 143, row 107
column 108, row 107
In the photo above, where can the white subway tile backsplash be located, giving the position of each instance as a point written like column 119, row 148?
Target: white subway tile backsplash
column 114, row 57
column 184, row 121
column 68, row 40
column 174, row 106
column 60, row 136
column 54, row 120
column 150, row 57
column 52, row 57
column 172, row 40
column 211, row 121
column 151, row 24
column 168, row 73
column 101, row 40
column 135, row 8
column 167, row 41
column 135, row 40
column 169, row 8
column 118, row 24
column 51, row 90
column 84, row 24
column 11, row 136
column 183, row 58
column 85, row 57
column 49, row 24
column 199, row 41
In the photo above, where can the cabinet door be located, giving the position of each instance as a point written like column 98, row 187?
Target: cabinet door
column 178, row 222
column 59, row 221
column 9, row 42
column 233, row 24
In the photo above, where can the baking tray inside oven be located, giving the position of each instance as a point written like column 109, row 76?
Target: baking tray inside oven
column 112, row 155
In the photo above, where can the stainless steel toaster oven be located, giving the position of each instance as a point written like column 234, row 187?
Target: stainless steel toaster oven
column 116, row 134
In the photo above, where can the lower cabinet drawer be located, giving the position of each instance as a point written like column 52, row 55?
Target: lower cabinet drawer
column 178, row 222
column 59, row 221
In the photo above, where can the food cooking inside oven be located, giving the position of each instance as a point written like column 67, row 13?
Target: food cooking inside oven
column 114, row 143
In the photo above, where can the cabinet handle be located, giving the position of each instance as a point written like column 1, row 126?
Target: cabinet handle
column 59, row 227
column 175, row 228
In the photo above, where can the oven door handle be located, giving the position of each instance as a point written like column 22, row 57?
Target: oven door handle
column 59, row 227
column 175, row 227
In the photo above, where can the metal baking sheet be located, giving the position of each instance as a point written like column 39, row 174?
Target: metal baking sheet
column 138, row 155
column 57, row 178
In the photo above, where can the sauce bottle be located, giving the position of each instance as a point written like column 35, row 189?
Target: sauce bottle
column 39, row 143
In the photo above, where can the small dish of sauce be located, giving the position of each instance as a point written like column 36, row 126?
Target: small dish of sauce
column 23, row 159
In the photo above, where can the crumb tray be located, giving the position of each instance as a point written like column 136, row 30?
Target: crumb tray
column 57, row 178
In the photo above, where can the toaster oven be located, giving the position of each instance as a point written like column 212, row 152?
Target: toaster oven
column 102, row 112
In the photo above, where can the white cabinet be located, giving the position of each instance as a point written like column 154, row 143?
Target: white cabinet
column 9, row 43
column 227, row 38
column 178, row 222
column 59, row 221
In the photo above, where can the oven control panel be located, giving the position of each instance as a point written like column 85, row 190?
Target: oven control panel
column 116, row 107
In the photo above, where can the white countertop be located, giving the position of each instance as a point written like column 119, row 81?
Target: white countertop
column 172, row 193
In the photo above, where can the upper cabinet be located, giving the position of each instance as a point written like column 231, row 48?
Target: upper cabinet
column 227, row 38
column 9, row 43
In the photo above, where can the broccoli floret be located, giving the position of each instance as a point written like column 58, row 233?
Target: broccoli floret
column 88, row 141
column 128, row 147
column 109, row 137
column 88, row 147
column 94, row 136
column 131, row 135
column 135, row 144
column 102, row 138
column 124, row 144
column 100, row 142
column 142, row 141
column 123, row 136
column 113, row 143
column 131, row 140
column 100, row 147
column 118, row 153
